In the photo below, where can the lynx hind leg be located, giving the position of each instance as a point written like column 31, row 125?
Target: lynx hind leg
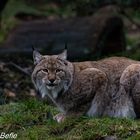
column 123, row 105
column 99, row 84
column 131, row 81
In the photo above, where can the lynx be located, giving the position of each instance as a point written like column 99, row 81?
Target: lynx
column 108, row 87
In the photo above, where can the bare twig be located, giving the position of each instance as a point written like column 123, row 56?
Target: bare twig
column 122, row 11
column 19, row 68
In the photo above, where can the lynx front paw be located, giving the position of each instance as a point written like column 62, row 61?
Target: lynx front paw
column 59, row 117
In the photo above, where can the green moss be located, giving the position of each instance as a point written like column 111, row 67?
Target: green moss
column 29, row 121
column 132, row 41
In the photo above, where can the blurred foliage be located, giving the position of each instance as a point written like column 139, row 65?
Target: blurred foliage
column 15, row 7
column 87, row 7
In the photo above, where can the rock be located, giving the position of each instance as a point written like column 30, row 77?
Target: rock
column 110, row 138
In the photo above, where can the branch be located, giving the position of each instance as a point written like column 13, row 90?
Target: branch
column 122, row 11
column 19, row 68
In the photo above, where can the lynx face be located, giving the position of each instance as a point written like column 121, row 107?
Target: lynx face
column 52, row 74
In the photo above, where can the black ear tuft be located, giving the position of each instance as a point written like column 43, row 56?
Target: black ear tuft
column 66, row 47
column 33, row 48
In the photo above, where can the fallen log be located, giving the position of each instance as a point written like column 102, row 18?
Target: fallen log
column 86, row 37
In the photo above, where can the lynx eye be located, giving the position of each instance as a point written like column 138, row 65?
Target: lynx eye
column 45, row 70
column 58, row 70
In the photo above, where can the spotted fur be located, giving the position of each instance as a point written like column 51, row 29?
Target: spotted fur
column 109, row 87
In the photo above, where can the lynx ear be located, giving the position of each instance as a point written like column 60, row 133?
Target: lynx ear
column 36, row 57
column 63, row 55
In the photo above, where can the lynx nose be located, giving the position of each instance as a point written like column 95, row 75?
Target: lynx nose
column 52, row 81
